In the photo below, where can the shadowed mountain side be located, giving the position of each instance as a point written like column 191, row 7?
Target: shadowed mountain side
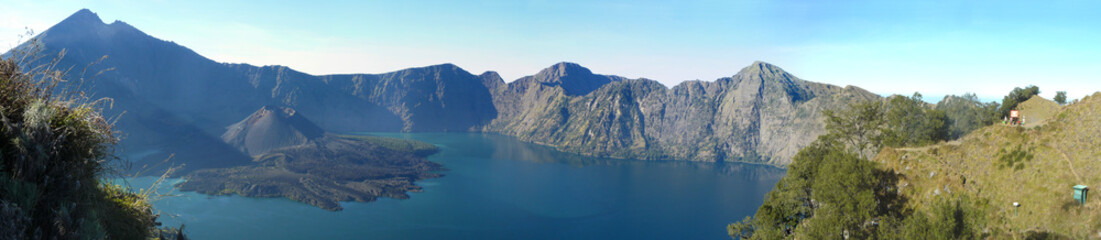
column 762, row 114
column 178, row 102
column 334, row 109
column 164, row 74
column 157, row 140
column 433, row 98
column 208, row 93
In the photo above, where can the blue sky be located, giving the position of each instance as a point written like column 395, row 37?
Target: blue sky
column 934, row 47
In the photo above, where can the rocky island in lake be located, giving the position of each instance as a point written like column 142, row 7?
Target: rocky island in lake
column 293, row 158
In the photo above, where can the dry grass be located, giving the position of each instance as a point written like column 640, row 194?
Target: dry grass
column 1064, row 150
column 1037, row 111
column 55, row 147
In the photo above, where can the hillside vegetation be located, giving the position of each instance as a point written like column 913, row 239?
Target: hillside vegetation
column 54, row 151
column 1035, row 165
column 1037, row 110
column 859, row 181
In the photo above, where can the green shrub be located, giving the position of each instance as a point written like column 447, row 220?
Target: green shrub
column 54, row 149
column 1014, row 159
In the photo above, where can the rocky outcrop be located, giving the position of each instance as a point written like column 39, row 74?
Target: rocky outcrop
column 762, row 114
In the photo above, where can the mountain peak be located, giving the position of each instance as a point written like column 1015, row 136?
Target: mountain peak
column 438, row 68
column 443, row 66
column 83, row 17
column 572, row 77
column 282, row 112
column 765, row 67
column 765, row 70
column 567, row 68
column 271, row 128
column 491, row 80
column 85, row 26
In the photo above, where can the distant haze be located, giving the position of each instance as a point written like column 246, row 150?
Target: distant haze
column 937, row 48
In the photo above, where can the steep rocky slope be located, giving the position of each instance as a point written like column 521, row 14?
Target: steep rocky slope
column 178, row 102
column 762, row 114
column 171, row 101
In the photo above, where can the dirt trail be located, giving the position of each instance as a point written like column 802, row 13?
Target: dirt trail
column 927, row 147
column 1066, row 159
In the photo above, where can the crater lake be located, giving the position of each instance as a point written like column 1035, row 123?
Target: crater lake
column 497, row 187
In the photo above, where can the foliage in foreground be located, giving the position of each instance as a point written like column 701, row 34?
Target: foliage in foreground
column 901, row 121
column 832, row 193
column 832, row 190
column 53, row 153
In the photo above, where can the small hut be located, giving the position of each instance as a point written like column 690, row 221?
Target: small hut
column 1080, row 192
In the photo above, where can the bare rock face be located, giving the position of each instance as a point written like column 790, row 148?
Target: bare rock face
column 762, row 114
column 271, row 128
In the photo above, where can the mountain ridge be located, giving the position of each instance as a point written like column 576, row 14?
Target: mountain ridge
column 750, row 116
column 745, row 117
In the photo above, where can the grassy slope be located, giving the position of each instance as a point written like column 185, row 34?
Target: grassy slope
column 1064, row 152
column 1037, row 110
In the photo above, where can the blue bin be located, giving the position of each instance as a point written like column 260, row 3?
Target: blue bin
column 1080, row 193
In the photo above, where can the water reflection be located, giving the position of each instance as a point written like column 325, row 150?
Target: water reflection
column 507, row 147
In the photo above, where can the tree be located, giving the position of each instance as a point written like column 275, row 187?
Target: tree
column 829, row 190
column 951, row 217
column 910, row 122
column 845, row 198
column 966, row 113
column 1061, row 97
column 787, row 205
column 742, row 229
column 832, row 190
column 901, row 121
column 860, row 127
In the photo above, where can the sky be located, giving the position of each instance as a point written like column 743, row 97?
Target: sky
column 887, row 47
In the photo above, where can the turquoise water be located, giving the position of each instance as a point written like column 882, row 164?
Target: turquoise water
column 499, row 188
